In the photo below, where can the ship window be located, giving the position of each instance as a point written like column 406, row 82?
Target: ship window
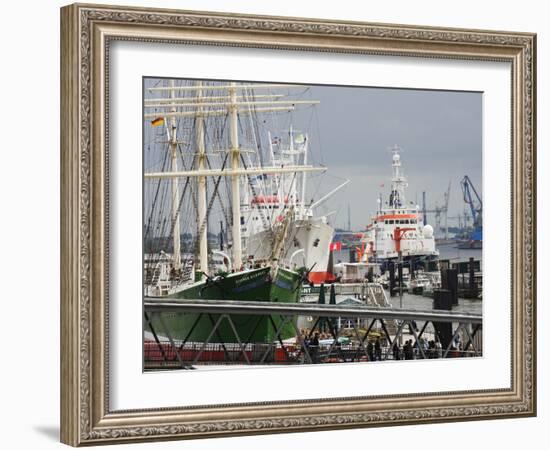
column 391, row 222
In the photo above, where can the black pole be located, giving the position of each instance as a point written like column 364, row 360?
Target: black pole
column 424, row 207
column 471, row 281
column 391, row 268
column 443, row 300
column 400, row 276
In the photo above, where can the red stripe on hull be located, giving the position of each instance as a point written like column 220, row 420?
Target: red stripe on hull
column 320, row 277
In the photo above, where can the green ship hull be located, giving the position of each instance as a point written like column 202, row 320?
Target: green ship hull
column 254, row 285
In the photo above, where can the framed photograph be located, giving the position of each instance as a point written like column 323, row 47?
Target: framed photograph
column 276, row 224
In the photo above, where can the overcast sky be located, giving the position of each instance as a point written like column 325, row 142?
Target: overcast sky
column 352, row 129
column 440, row 133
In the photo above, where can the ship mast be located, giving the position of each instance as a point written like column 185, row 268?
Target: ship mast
column 175, row 186
column 235, row 179
column 201, row 107
column 201, row 207
column 292, row 189
column 304, row 175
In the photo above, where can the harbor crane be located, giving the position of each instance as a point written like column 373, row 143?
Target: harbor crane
column 476, row 208
column 476, row 205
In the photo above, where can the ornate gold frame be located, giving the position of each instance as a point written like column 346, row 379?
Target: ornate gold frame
column 86, row 31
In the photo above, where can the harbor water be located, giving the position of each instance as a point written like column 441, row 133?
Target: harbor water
column 455, row 254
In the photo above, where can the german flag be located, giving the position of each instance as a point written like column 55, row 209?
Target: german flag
column 157, row 122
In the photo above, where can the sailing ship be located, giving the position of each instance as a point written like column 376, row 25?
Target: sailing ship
column 397, row 230
column 217, row 144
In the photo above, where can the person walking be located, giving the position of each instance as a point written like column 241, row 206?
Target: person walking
column 395, row 351
column 408, row 350
column 314, row 348
column 370, row 351
column 378, row 350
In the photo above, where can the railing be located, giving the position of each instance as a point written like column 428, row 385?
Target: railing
column 448, row 328
column 224, row 354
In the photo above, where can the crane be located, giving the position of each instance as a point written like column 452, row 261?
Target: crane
column 476, row 207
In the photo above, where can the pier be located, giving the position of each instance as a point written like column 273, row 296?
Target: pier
column 345, row 344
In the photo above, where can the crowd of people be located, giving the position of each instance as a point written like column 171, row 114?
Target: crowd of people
column 377, row 348
column 423, row 349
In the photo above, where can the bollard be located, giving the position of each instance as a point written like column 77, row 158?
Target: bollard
column 443, row 299
column 452, row 284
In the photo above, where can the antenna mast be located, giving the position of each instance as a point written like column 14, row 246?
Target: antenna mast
column 398, row 181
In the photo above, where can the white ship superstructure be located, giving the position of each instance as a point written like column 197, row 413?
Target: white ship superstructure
column 308, row 236
column 399, row 227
